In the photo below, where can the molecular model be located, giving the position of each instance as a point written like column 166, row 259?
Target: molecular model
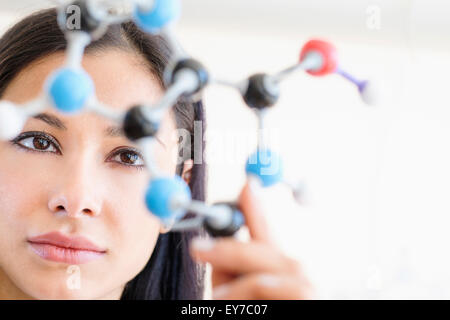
column 71, row 90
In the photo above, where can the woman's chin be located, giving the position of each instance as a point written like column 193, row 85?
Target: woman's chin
column 43, row 279
column 64, row 283
column 41, row 291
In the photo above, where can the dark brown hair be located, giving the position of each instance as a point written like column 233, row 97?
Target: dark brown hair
column 170, row 273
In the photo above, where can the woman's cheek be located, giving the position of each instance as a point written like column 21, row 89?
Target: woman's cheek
column 22, row 197
column 135, row 232
column 22, row 208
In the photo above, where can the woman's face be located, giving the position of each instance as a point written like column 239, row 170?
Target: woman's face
column 76, row 179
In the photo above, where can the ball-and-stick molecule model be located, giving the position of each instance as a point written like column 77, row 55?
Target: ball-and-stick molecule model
column 70, row 90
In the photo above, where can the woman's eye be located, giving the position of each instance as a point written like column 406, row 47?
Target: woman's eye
column 38, row 143
column 129, row 157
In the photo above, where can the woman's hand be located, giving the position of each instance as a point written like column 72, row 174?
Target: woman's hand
column 251, row 270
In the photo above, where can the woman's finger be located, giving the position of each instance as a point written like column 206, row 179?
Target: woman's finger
column 263, row 286
column 254, row 214
column 221, row 277
column 236, row 257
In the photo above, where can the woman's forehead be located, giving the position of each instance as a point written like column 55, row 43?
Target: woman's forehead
column 121, row 78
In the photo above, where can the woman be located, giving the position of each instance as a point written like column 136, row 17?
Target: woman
column 79, row 179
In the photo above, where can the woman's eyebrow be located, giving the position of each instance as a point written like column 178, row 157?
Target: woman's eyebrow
column 114, row 131
column 51, row 120
column 117, row 131
column 54, row 121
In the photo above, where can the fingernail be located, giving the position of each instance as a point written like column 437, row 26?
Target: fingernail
column 269, row 280
column 202, row 244
column 255, row 184
column 220, row 291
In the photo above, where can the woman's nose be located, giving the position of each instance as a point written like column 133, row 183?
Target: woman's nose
column 73, row 205
column 76, row 192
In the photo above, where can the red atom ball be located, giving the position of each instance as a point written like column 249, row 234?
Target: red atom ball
column 328, row 52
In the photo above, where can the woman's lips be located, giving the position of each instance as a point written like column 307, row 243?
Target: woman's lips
column 57, row 247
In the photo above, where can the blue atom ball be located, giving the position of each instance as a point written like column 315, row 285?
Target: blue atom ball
column 160, row 194
column 69, row 89
column 267, row 166
column 162, row 13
